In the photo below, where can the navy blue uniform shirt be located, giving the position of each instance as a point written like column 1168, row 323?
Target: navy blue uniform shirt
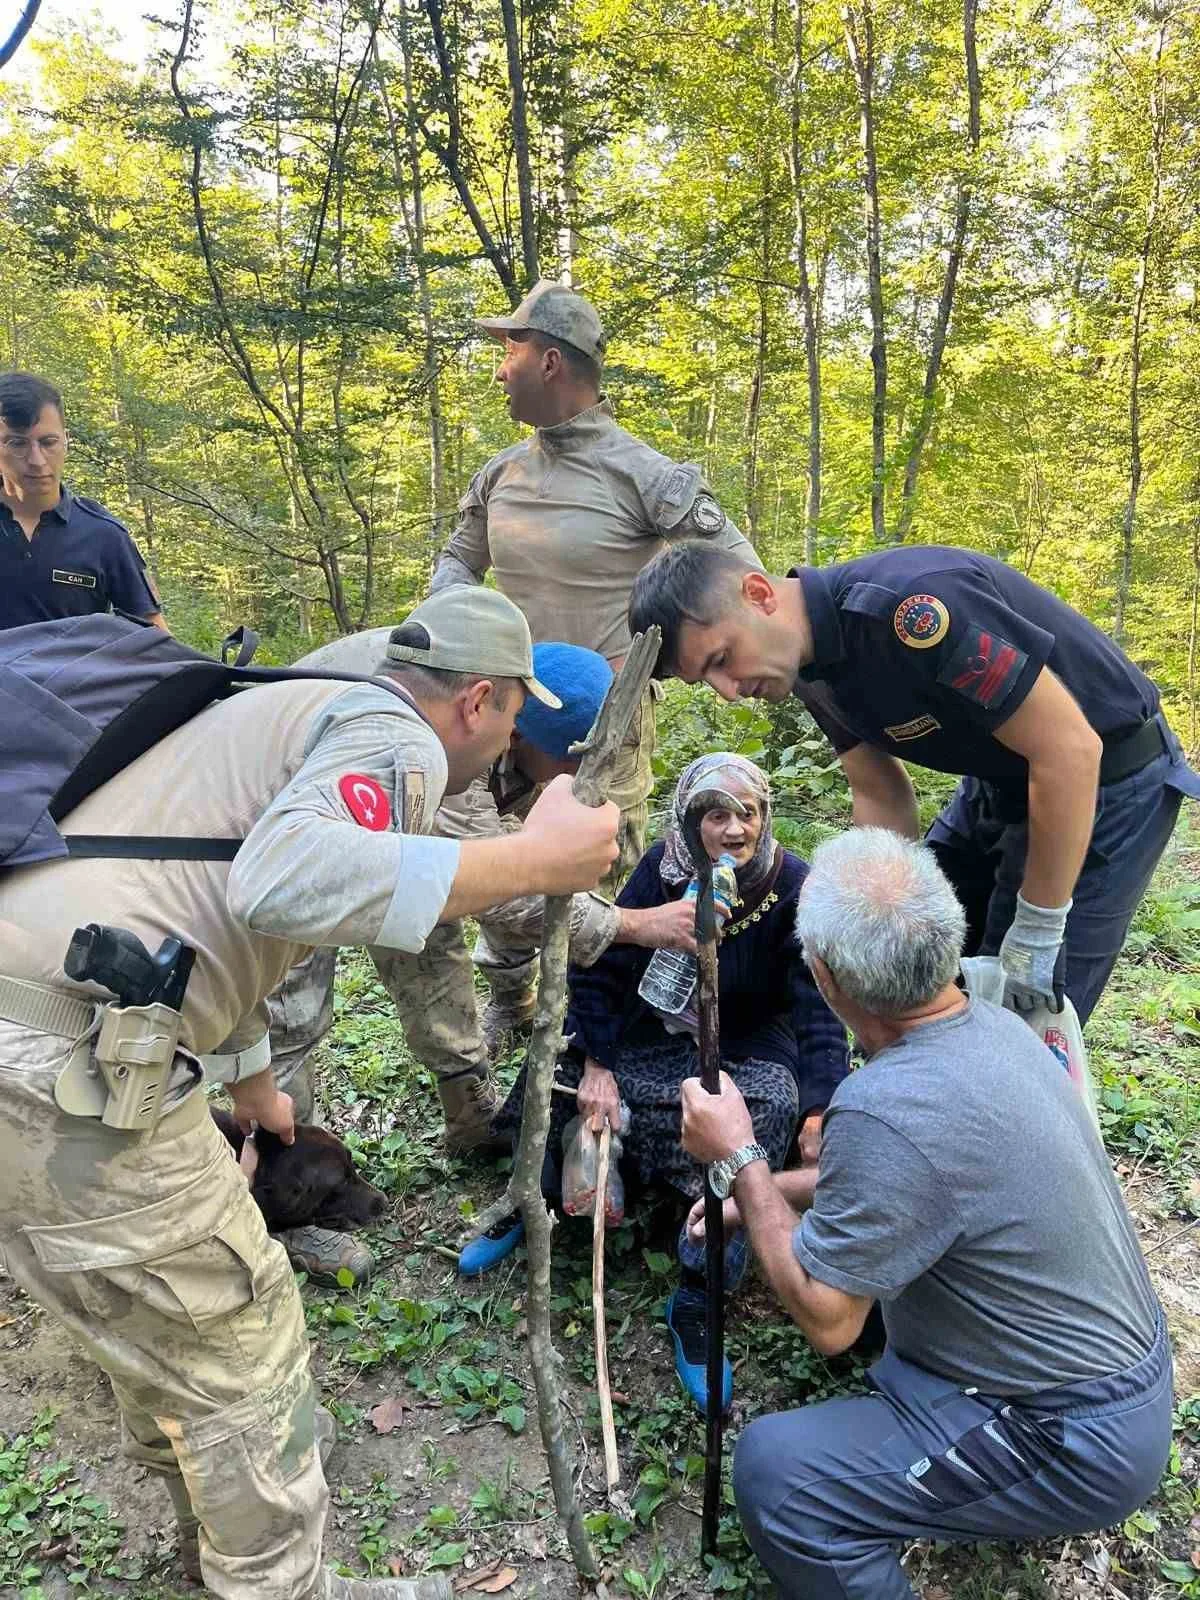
column 925, row 651
column 80, row 560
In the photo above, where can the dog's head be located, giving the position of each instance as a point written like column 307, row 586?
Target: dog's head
column 310, row 1181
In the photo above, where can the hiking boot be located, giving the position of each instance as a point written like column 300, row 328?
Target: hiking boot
column 507, row 1018
column 686, row 1311
column 323, row 1254
column 333, row 1587
column 469, row 1102
column 188, row 1552
column 486, row 1250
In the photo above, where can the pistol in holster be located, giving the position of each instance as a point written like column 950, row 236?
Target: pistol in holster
column 139, row 1030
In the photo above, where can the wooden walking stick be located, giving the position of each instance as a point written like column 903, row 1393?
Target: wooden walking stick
column 714, row 1209
column 608, row 1428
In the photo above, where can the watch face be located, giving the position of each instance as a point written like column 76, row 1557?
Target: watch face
column 718, row 1180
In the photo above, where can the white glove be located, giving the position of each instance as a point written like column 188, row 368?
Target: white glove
column 1030, row 955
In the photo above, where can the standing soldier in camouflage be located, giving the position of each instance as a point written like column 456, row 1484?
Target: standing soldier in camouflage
column 146, row 1245
column 565, row 520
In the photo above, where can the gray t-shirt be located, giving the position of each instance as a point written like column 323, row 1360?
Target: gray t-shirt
column 963, row 1185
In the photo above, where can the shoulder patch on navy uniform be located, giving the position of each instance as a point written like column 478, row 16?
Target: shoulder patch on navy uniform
column 707, row 514
column 921, row 621
column 916, row 729
column 984, row 668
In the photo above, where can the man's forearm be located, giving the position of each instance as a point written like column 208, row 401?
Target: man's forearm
column 769, row 1217
column 1062, row 814
column 881, row 792
column 491, row 871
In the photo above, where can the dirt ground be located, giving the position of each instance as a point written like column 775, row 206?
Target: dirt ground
column 40, row 1368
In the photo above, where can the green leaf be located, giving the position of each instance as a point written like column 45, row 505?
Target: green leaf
column 448, row 1555
column 514, row 1417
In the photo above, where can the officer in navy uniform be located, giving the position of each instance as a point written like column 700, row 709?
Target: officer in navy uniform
column 60, row 555
column 1071, row 778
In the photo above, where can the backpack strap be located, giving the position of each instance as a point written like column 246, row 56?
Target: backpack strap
column 148, row 847
column 180, row 847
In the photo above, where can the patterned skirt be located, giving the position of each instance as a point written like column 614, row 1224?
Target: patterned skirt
column 649, row 1077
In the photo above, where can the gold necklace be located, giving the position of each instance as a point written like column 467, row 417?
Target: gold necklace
column 734, row 928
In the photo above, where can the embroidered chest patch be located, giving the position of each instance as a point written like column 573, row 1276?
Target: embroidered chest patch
column 365, row 801
column 77, row 580
column 984, row 668
column 921, row 621
column 916, row 729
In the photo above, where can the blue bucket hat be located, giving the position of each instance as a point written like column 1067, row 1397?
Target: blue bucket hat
column 580, row 678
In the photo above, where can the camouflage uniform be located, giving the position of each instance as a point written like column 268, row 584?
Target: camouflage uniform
column 434, row 990
column 566, row 519
column 148, row 1247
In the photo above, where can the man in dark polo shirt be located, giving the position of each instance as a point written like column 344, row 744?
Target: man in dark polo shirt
column 60, row 555
column 1072, row 779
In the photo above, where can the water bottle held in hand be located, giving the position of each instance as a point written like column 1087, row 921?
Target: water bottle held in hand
column 668, row 984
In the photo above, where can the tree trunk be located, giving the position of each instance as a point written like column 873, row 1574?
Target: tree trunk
column 1137, row 332
column 758, row 377
column 520, row 120
column 808, row 309
column 964, row 190
column 860, row 43
column 414, row 226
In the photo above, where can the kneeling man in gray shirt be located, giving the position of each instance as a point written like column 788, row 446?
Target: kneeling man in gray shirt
column 1026, row 1386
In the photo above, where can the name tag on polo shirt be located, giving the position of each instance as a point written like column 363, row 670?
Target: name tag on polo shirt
column 77, row 580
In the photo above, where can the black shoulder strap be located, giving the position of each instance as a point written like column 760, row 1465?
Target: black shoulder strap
column 149, row 847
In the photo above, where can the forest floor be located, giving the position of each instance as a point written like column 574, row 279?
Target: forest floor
column 458, row 1481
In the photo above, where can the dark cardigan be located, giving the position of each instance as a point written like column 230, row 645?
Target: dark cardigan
column 769, row 1005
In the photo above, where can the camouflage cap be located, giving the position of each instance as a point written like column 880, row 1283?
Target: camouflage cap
column 472, row 629
column 559, row 313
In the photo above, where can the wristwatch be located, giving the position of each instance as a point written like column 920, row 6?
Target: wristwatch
column 722, row 1173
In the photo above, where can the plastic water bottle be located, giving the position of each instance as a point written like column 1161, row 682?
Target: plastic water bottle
column 668, row 984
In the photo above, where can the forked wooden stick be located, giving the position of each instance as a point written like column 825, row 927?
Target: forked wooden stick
column 524, row 1192
column 612, row 1466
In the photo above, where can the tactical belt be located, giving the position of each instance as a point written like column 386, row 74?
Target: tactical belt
column 1130, row 752
column 45, row 1009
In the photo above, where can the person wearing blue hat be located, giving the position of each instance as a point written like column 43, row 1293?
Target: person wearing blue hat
column 434, row 992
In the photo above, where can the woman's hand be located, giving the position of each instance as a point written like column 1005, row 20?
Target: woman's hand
column 599, row 1098
column 695, row 1219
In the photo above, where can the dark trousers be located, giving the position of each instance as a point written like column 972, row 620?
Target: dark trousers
column 827, row 1494
column 981, row 840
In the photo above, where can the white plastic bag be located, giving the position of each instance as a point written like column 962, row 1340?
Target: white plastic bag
column 1059, row 1031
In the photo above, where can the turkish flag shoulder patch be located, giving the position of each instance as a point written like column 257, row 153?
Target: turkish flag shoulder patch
column 366, row 801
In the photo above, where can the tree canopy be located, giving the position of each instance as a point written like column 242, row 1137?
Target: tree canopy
column 924, row 272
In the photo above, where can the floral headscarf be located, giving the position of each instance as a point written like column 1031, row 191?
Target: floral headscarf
column 716, row 771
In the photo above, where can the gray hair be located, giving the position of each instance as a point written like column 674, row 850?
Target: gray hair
column 879, row 912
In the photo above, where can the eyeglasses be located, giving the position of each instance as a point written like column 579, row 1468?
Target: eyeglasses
column 20, row 444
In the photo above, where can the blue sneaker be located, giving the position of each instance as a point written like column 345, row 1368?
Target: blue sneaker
column 685, row 1317
column 488, row 1249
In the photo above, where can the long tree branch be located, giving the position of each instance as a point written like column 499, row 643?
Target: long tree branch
column 524, row 1190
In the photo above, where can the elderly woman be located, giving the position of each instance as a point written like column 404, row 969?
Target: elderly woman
column 779, row 1041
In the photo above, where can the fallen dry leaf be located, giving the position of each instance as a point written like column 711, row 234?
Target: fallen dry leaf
column 389, row 1414
column 492, row 1579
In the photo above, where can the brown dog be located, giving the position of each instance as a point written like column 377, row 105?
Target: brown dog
column 310, row 1181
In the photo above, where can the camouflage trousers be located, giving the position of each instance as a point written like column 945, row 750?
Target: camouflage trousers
column 434, row 992
column 152, row 1254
